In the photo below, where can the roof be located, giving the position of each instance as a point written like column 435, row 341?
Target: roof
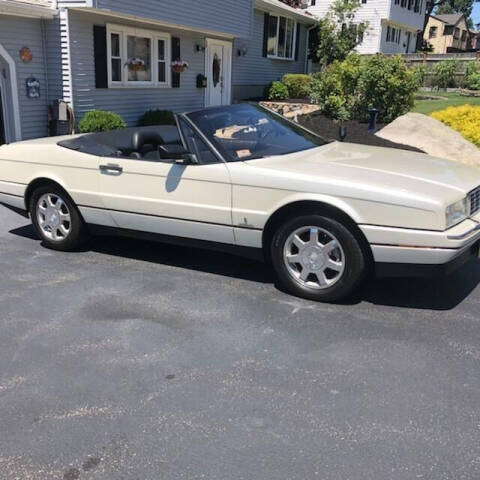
column 276, row 6
column 449, row 18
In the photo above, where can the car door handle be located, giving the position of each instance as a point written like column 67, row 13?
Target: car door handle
column 111, row 169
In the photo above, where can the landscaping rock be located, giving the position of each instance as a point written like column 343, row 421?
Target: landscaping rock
column 431, row 136
column 291, row 110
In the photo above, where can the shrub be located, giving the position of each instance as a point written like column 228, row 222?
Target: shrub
column 100, row 121
column 298, row 85
column 420, row 74
column 472, row 76
column 465, row 119
column 334, row 90
column 387, row 84
column 157, row 117
column 348, row 89
column 277, row 91
column 444, row 74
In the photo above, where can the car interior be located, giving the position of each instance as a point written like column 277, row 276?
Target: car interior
column 138, row 143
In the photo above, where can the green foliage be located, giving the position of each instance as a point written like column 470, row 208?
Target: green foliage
column 277, row 91
column 157, row 117
column 444, row 74
column 100, row 121
column 387, row 84
column 348, row 89
column 338, row 33
column 420, row 74
column 298, row 85
column 335, row 88
column 472, row 76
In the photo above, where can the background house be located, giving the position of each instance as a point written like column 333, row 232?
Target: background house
column 393, row 24
column 448, row 33
column 116, row 55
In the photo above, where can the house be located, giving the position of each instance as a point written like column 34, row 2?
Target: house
column 448, row 33
column 116, row 55
column 23, row 46
column 393, row 24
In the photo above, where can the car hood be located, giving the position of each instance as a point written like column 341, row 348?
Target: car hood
column 377, row 168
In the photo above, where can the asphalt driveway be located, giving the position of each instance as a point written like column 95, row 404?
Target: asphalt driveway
column 134, row 360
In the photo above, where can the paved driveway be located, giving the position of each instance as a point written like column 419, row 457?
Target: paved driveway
column 135, row 360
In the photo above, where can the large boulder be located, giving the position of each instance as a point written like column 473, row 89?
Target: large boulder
column 431, row 136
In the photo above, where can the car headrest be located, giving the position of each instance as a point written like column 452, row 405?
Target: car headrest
column 145, row 137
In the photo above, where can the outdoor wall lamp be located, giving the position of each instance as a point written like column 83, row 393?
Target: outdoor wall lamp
column 200, row 48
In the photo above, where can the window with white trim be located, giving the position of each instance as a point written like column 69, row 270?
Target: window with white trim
column 281, row 37
column 138, row 57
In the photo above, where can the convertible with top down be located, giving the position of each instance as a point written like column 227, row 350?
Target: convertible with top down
column 243, row 178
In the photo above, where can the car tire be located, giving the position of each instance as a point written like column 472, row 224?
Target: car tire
column 318, row 258
column 56, row 219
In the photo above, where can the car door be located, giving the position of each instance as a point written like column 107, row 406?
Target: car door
column 192, row 201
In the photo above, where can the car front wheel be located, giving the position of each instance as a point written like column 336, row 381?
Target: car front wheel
column 317, row 258
column 56, row 219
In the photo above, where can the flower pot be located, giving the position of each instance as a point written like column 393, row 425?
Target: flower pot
column 178, row 69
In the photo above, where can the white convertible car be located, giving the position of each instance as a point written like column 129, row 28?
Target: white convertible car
column 241, row 176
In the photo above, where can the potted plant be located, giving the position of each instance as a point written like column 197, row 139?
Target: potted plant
column 178, row 66
column 135, row 64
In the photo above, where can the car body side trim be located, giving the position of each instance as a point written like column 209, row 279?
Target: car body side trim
column 170, row 218
column 465, row 235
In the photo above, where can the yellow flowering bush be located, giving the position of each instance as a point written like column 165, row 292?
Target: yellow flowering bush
column 464, row 119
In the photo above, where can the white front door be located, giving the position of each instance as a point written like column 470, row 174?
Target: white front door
column 218, row 67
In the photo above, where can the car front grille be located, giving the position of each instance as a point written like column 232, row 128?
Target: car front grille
column 474, row 197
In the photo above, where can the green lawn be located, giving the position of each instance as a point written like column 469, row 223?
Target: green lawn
column 451, row 99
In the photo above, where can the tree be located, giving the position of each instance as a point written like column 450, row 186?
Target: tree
column 338, row 33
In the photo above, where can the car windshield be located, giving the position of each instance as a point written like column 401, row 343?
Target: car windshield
column 246, row 132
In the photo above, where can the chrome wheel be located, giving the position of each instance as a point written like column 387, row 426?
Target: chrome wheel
column 314, row 257
column 53, row 217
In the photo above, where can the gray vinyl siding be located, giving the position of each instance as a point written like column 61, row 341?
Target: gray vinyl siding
column 130, row 103
column 252, row 72
column 232, row 17
column 15, row 33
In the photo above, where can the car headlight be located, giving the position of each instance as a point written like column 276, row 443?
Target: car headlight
column 456, row 213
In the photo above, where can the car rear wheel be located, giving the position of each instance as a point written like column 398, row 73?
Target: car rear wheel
column 317, row 258
column 56, row 219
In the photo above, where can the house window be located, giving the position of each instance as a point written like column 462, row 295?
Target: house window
column 388, row 33
column 397, row 2
column 399, row 34
column 404, row 3
column 464, row 35
column 416, row 8
column 116, row 57
column 313, row 3
column 281, row 37
column 432, row 33
column 137, row 57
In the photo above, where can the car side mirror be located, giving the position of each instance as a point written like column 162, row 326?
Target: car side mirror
column 177, row 153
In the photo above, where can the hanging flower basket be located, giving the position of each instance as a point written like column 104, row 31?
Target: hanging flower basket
column 178, row 66
column 135, row 64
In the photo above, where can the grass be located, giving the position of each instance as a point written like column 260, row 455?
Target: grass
column 451, row 99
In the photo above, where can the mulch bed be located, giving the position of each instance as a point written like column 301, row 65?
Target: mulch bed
column 357, row 132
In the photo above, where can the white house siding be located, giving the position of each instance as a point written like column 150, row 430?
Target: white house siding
column 252, row 72
column 15, row 33
column 379, row 14
column 131, row 103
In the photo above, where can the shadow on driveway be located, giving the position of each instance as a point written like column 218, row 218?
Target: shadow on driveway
column 443, row 293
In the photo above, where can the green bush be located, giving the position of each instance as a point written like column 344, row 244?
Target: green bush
column 100, row 121
column 349, row 88
column 472, row 82
column 298, row 85
column 420, row 73
column 472, row 76
column 277, row 91
column 444, row 74
column 387, row 84
column 157, row 117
